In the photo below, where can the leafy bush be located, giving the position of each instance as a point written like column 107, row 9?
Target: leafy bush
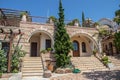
column 62, row 60
column 43, row 51
column 94, row 51
column 49, row 49
column 105, row 60
column 16, row 58
column 3, row 61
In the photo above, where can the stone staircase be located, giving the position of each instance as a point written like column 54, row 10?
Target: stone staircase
column 86, row 64
column 115, row 60
column 32, row 67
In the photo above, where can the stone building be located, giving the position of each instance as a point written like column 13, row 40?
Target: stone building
column 39, row 36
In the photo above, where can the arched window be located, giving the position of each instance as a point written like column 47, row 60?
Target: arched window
column 83, row 47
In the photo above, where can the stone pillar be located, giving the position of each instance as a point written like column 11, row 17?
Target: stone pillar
column 26, row 48
column 76, row 23
column 51, row 21
column 100, row 46
column 24, row 18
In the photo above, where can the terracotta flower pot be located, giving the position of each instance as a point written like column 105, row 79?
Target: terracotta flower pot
column 50, row 67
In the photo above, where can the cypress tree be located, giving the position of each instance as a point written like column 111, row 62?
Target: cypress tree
column 83, row 20
column 62, row 43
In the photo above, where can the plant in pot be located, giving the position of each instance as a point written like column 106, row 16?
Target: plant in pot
column 49, row 49
column 43, row 51
column 106, row 61
column 94, row 52
column 50, row 67
column 24, row 16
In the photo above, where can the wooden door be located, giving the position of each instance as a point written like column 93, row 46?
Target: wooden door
column 76, row 49
column 110, row 48
column 34, row 49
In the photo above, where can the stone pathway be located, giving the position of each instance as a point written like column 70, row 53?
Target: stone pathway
column 69, row 76
column 97, row 75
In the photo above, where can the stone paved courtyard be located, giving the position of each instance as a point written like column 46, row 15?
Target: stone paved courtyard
column 96, row 75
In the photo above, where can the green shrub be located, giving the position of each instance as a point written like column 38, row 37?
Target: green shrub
column 105, row 60
column 62, row 60
column 3, row 61
column 15, row 71
column 18, row 52
column 49, row 49
column 94, row 51
column 23, row 13
column 43, row 51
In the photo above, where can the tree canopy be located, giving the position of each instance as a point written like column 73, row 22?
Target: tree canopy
column 117, row 17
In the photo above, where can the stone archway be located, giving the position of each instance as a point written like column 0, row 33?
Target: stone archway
column 40, row 40
column 89, row 43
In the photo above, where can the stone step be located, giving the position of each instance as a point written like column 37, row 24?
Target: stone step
column 31, row 57
column 88, row 63
column 32, row 61
column 32, row 74
column 27, row 63
column 115, row 61
column 33, row 71
column 32, row 66
column 27, row 69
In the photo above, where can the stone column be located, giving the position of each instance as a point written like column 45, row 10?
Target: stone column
column 24, row 18
column 27, row 48
column 76, row 23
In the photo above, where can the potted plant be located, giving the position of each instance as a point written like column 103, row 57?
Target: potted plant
column 49, row 49
column 52, row 19
column 43, row 51
column 107, row 62
column 50, row 67
column 24, row 16
column 94, row 52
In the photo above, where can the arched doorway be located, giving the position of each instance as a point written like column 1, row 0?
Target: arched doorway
column 39, row 41
column 76, row 49
column 86, row 44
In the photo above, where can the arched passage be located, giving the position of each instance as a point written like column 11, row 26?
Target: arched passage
column 40, row 40
column 86, row 43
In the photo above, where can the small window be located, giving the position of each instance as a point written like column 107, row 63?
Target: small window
column 5, row 47
column 83, row 47
column 48, row 43
column 75, row 46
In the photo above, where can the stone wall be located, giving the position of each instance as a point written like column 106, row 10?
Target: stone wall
column 30, row 28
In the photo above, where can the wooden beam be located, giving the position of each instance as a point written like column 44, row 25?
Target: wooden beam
column 10, row 53
column 12, row 36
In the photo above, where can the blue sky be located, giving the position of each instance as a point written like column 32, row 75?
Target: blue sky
column 94, row 9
